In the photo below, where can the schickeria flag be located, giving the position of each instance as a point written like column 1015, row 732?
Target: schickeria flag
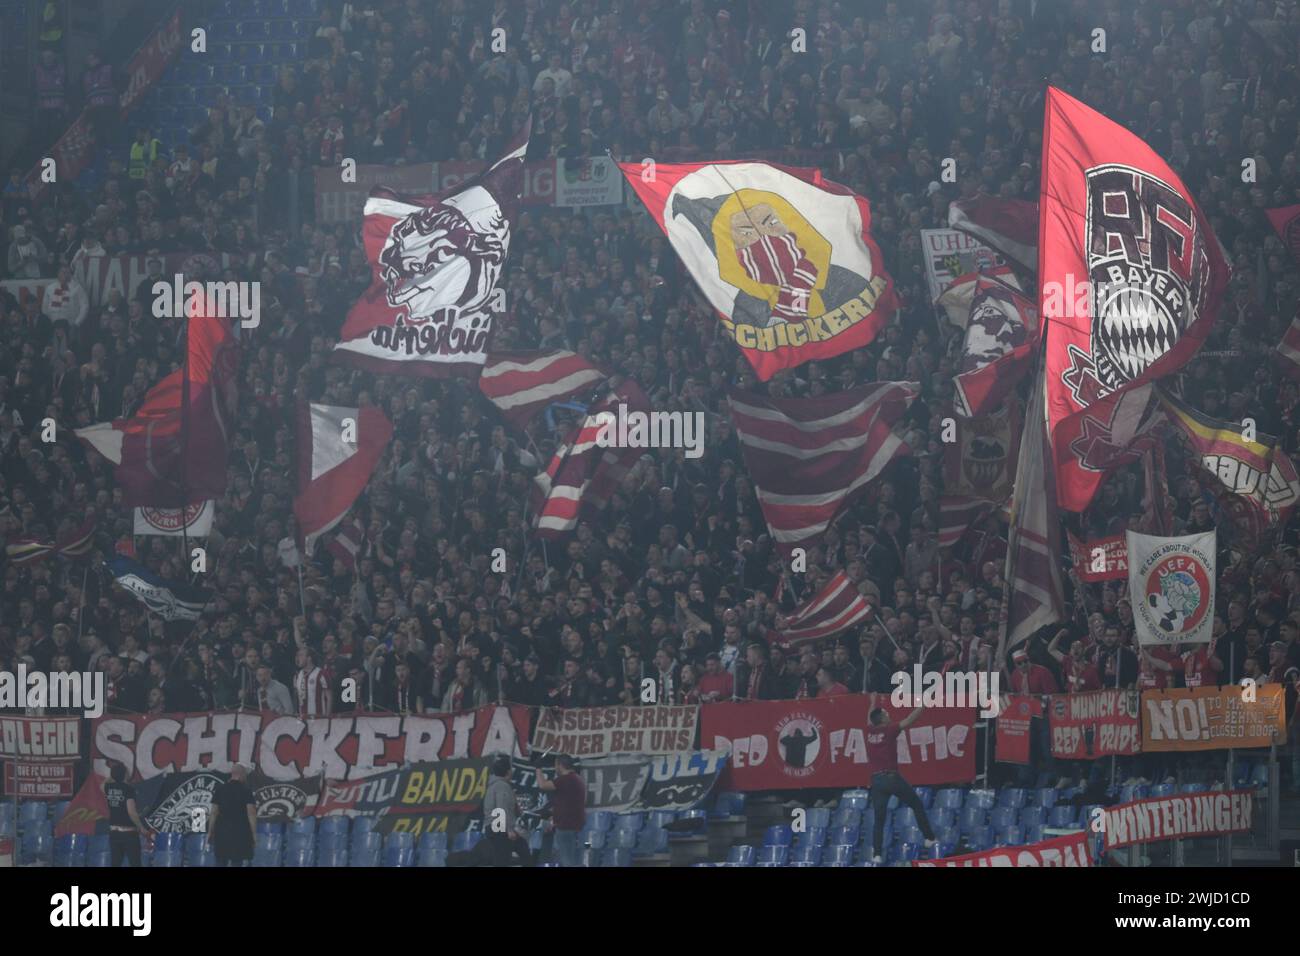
column 1130, row 278
column 784, row 256
column 1171, row 588
column 436, row 262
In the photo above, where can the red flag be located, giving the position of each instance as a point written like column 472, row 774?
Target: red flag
column 86, row 809
column 522, row 384
column 1001, row 336
column 1288, row 350
column 346, row 545
column 809, row 456
column 958, row 514
column 1008, row 226
column 784, row 256
column 835, row 608
column 1130, row 273
column 172, row 451
column 959, row 295
column 436, row 262
column 338, row 449
column 1287, row 223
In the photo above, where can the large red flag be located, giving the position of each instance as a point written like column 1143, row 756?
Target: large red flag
column 1287, row 223
column 338, row 449
column 172, row 451
column 1130, row 274
column 436, row 262
column 785, row 256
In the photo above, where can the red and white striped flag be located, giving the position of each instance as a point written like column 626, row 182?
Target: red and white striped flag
column 809, row 456
column 338, row 450
column 582, row 472
column 522, row 384
column 958, row 514
column 834, row 608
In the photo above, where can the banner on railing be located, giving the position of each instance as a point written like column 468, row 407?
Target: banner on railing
column 1068, row 850
column 1213, row 718
column 1098, row 723
column 1211, row 814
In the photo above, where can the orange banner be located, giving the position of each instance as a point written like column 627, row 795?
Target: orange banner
column 1213, row 718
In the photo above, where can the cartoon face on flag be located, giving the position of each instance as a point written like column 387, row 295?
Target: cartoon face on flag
column 448, row 255
column 436, row 261
column 785, row 257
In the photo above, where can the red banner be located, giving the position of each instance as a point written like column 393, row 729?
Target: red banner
column 41, row 781
column 1013, row 723
column 1212, row 814
column 73, row 150
column 1104, row 559
column 1098, row 723
column 345, row 747
column 1069, row 850
column 787, row 744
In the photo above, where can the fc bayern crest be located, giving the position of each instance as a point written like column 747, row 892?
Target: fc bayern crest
column 1171, row 581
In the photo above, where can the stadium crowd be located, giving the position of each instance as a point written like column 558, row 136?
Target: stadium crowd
column 677, row 578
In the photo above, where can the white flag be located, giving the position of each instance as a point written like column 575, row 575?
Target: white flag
column 167, row 521
column 1171, row 586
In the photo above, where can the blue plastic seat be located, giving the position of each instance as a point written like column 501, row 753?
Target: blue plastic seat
column 465, row 840
column 911, row 834
column 621, row 839
column 166, row 859
column 806, row 854
column 300, row 856
column 593, row 838
column 629, row 821
column 773, row 854
column 661, row 818
column 1034, row 833
column 1012, row 797
column 1131, row 792
column 433, row 840
column 1002, row 816
column 399, row 850
column 903, row 853
column 600, row 820
column 1061, row 816
column 904, row 817
column 846, row 817
column 983, row 799
column 37, row 843
column 942, row 818
column 71, row 849
column 651, row 841
column 729, row 803
column 333, row 856
column 616, row 856
column 972, row 817
column 1032, row 816
column 950, row 798
column 1192, row 788
column 741, row 855
column 365, row 849
column 816, row 836
column 32, row 813
column 846, row 834
column 840, row 853
column 432, row 856
column 857, row 799
column 699, row 820
column 817, row 817
column 268, row 850
column 1046, row 797
column 249, row 53
column 980, row 838
column 536, row 840
column 925, row 795
column 303, row 825
column 779, row 835
column 1012, row 835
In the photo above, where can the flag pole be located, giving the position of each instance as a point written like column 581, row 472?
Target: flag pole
column 302, row 601
column 185, row 444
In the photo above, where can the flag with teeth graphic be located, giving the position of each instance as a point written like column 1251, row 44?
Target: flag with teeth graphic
column 1130, row 276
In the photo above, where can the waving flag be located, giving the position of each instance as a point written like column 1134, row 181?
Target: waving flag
column 172, row 451
column 338, row 449
column 1254, row 480
column 73, row 544
column 170, row 600
column 784, row 256
column 835, row 608
column 809, row 456
column 1008, row 226
column 1130, row 274
column 998, row 350
column 522, row 384
column 958, row 296
column 581, row 473
column 1287, row 223
column 436, row 263
column 981, row 463
column 1035, row 594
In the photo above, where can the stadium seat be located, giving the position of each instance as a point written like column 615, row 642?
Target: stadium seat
column 268, row 850
column 844, row 835
column 651, row 841
column 589, row 858
column 432, row 856
column 1258, row 777
column 332, row 856
column 1061, row 816
column 270, row 826
column 857, row 799
column 1131, row 792
column 621, row 839
column 903, row 853
column 593, row 838
column 728, row 803
column 904, row 817
column 99, row 858
column 910, row 834
column 980, row 838
column 1012, row 835
column 846, row 816
column 616, row 856
column 841, row 854
column 37, row 843
column 1032, row 816
column 816, row 836
column 948, row 836
column 362, row 825
column 949, row 798
column 773, row 854
column 806, row 854
column 1002, row 816
column 1034, row 833
column 300, row 856
column 940, row 819
column 817, row 817
column 465, row 840
column 629, row 821
column 925, row 795
column 600, row 820
column 71, row 849
column 779, row 835
column 332, row 826
column 399, row 850
column 300, row 826
column 972, row 817
column 661, row 818
column 1192, row 788
column 31, row 813
column 536, row 840
column 365, row 849
column 699, row 820
column 1046, row 797
column 741, row 856
column 983, row 799
column 1012, row 797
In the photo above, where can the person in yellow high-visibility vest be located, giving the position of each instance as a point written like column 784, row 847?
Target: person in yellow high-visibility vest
column 143, row 153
